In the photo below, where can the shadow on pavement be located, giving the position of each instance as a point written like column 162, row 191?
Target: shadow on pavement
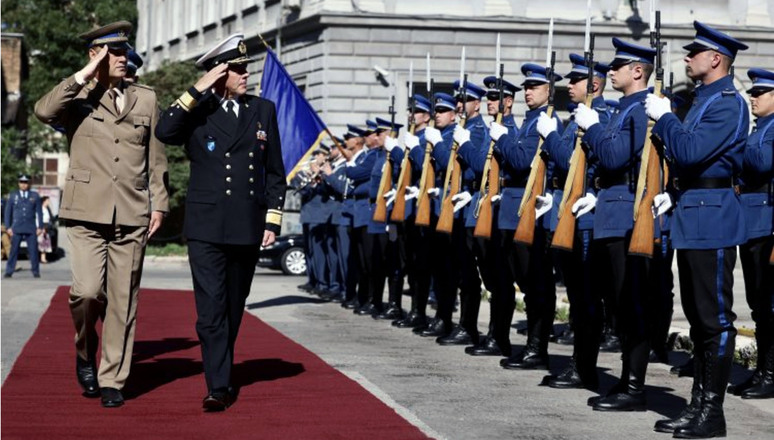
column 284, row 301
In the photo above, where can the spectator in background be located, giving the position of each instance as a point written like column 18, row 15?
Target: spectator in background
column 44, row 239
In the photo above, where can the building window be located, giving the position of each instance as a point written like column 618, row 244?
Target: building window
column 46, row 171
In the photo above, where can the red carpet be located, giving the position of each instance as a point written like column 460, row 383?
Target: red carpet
column 287, row 392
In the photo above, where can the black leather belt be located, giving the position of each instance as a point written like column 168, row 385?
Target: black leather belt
column 558, row 182
column 511, row 183
column 702, row 183
column 473, row 184
column 746, row 189
column 360, row 196
column 604, row 182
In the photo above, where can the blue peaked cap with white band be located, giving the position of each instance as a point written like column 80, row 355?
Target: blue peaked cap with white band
column 579, row 69
column 353, row 131
column 493, row 90
column 383, row 124
column 762, row 80
column 473, row 91
column 444, row 101
column 536, row 74
column 421, row 104
column 626, row 53
column 711, row 39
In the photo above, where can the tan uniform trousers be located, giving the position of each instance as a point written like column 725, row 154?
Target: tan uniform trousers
column 107, row 267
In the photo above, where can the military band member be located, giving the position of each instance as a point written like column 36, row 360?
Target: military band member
column 757, row 199
column 234, row 203
column 704, row 152
column 577, row 267
column 531, row 267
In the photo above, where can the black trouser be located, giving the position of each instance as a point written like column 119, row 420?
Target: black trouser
column 363, row 246
column 454, row 268
column 759, row 281
column 540, row 294
column 503, row 258
column 374, row 247
column 660, row 284
column 417, row 246
column 395, row 263
column 310, row 267
column 352, row 272
column 706, row 292
column 469, row 280
column 222, row 275
column 580, row 275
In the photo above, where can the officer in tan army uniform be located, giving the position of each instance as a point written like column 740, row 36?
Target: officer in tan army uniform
column 114, row 199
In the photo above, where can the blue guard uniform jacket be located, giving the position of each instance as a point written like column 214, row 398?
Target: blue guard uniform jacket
column 559, row 146
column 709, row 144
column 237, row 184
column 341, row 189
column 416, row 160
column 23, row 215
column 615, row 151
column 757, row 186
column 441, row 153
column 359, row 172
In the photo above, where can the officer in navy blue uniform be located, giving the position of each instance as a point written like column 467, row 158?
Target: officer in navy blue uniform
column 475, row 156
column 339, row 188
column 530, row 267
column 354, row 140
column 23, row 216
column 758, row 201
column 577, row 267
column 705, row 152
column 234, row 203
column 417, row 237
column 614, row 151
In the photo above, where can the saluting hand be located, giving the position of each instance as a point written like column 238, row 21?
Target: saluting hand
column 88, row 72
column 211, row 77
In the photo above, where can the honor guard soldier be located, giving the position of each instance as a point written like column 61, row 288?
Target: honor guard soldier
column 359, row 172
column 577, row 267
column 22, row 217
column 704, row 153
column 531, row 266
column 234, row 201
column 418, row 238
column 757, row 202
column 114, row 199
column 354, row 140
column 341, row 220
column 615, row 152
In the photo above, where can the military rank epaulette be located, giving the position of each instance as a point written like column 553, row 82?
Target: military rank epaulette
column 189, row 99
column 274, row 216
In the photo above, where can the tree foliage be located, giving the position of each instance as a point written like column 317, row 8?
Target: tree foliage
column 11, row 165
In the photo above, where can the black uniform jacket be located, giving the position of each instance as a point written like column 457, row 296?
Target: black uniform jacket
column 237, row 183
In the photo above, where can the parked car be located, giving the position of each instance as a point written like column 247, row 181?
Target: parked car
column 286, row 254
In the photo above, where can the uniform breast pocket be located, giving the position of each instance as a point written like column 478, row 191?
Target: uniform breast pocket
column 700, row 213
column 141, row 129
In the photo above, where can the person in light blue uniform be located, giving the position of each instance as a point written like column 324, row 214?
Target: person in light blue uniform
column 468, row 256
column 354, row 142
column 418, row 240
column 614, row 151
column 359, row 172
column 756, row 185
column 446, row 275
column 705, row 152
column 577, row 267
column 338, row 187
column 22, row 217
column 388, row 246
column 486, row 250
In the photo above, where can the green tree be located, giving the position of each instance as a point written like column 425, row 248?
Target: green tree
column 11, row 166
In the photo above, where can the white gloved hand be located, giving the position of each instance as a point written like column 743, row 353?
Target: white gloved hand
column 496, row 198
column 410, row 141
column 433, row 192
column 661, row 204
column 545, row 125
column 496, row 131
column 585, row 117
column 543, row 204
column 390, row 200
column 656, row 107
column 461, row 135
column 389, row 193
column 584, row 205
column 461, row 199
column 390, row 143
column 411, row 193
column 433, row 135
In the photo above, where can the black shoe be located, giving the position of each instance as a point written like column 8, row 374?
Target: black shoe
column 610, row 343
column 305, row 287
column 527, row 359
column 393, row 312
column 681, row 421
column 36, row 275
column 331, row 295
column 487, row 348
column 621, row 402
column 658, row 356
column 435, row 329
column 413, row 320
column 366, row 309
column 570, row 378
column 566, row 338
column 685, row 370
column 458, row 336
column 350, row 304
column 86, row 372
column 764, row 389
column 710, row 421
column 111, row 397
column 7, row 275
column 219, row 400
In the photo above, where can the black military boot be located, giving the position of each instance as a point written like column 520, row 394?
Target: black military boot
column 458, row 336
column 710, row 422
column 393, row 311
column 611, row 343
column 435, row 329
column 764, row 389
column 757, row 376
column 487, row 348
column 413, row 320
column 684, row 418
column 633, row 397
column 535, row 355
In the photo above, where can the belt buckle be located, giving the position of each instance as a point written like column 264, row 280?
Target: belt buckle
column 598, row 182
column 676, row 183
column 555, row 182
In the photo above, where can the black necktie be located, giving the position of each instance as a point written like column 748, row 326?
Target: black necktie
column 230, row 109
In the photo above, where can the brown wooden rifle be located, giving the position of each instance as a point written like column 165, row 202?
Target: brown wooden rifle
column 427, row 178
column 453, row 179
column 380, row 212
column 404, row 179
column 490, row 180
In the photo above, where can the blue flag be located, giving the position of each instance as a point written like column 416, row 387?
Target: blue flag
column 300, row 128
